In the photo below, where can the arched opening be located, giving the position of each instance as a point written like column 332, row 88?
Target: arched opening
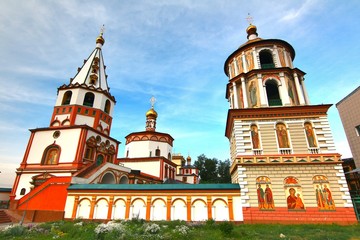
column 66, row 98
column 157, row 152
column 22, row 191
column 124, row 180
column 107, row 106
column 89, row 99
column 108, row 178
column 169, row 156
column 272, row 93
column 266, row 59
column 99, row 159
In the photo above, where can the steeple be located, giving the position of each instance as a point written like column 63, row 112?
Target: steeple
column 92, row 73
column 151, row 116
column 87, row 99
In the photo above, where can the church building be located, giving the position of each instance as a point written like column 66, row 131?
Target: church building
column 284, row 166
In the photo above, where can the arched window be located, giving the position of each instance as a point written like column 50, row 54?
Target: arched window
column 264, row 192
column 22, row 191
column 66, row 98
column 99, row 159
column 89, row 99
column 107, row 107
column 124, row 180
column 51, row 155
column 272, row 93
column 157, row 152
column 266, row 59
column 169, row 156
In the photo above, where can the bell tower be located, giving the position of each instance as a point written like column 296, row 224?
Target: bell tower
column 281, row 147
column 77, row 138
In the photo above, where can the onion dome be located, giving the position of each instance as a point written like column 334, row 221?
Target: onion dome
column 151, row 113
column 100, row 40
column 251, row 31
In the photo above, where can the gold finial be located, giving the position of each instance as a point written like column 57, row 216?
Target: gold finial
column 100, row 38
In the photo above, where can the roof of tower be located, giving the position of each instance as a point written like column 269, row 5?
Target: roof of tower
column 151, row 113
column 92, row 73
column 254, row 40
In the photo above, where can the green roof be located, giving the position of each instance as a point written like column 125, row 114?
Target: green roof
column 219, row 186
column 5, row 189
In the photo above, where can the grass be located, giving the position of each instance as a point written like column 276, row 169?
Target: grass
column 140, row 229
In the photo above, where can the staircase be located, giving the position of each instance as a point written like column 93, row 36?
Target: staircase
column 4, row 218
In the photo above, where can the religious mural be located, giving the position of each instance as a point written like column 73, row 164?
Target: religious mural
column 281, row 56
column 323, row 194
column 291, row 92
column 282, row 136
column 51, row 155
column 239, row 64
column 253, row 94
column 264, row 193
column 310, row 136
column 255, row 138
column 293, row 192
column 249, row 60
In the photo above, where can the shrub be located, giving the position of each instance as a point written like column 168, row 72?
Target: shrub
column 226, row 227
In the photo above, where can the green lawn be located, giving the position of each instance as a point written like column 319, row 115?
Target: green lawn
column 139, row 229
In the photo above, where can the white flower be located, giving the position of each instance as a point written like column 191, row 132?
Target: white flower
column 152, row 228
column 282, row 235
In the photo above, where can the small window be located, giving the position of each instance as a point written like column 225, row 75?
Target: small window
column 157, row 152
column 67, row 98
column 89, row 99
column 357, row 128
column 22, row 191
column 107, row 107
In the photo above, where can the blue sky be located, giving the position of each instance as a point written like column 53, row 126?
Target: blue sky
column 174, row 50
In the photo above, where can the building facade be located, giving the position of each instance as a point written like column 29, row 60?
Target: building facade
column 282, row 151
column 349, row 112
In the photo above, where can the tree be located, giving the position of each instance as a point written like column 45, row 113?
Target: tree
column 211, row 170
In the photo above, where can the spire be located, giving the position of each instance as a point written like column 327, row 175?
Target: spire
column 92, row 73
column 151, row 116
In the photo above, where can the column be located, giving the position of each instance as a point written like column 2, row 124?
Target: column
column 244, row 92
column 92, row 207
column 244, row 61
column 76, row 205
column 188, row 207
column 262, row 92
column 307, row 100
column 148, row 208
column 278, row 63
column 256, row 65
column 110, row 209
column 127, row 209
column 236, row 67
column 284, row 95
column 298, row 90
column 231, row 208
column 168, row 208
column 209, row 207
column 236, row 100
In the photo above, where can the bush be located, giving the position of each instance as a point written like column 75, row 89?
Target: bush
column 226, row 228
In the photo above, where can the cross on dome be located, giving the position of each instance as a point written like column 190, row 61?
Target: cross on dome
column 152, row 101
column 249, row 19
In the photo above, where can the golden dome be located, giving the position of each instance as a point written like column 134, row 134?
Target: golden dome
column 100, row 39
column 151, row 113
column 251, row 29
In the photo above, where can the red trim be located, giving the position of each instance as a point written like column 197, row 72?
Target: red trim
column 26, row 155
